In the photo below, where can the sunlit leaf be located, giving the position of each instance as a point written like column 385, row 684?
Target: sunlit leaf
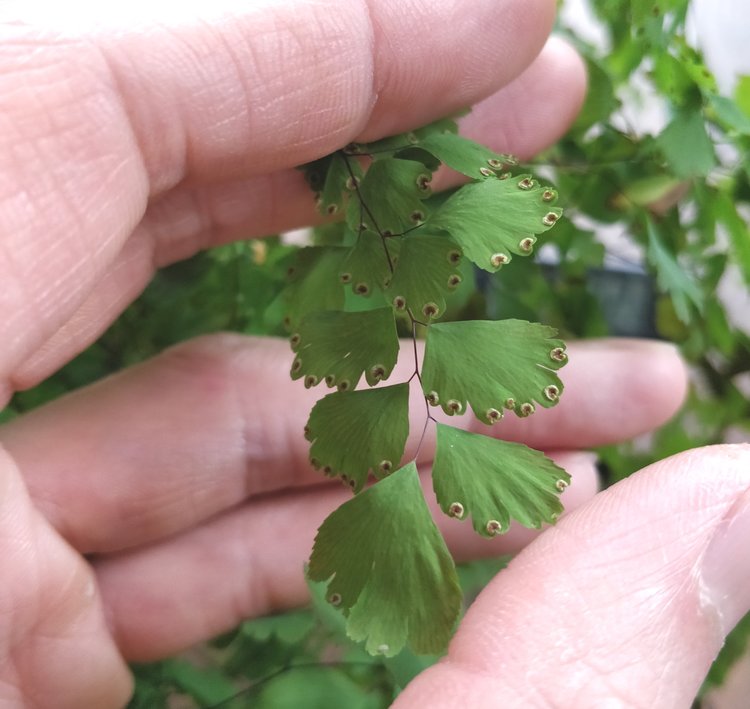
column 427, row 269
column 495, row 218
column 494, row 482
column 393, row 191
column 338, row 347
column 355, row 432
column 389, row 569
column 494, row 365
column 314, row 282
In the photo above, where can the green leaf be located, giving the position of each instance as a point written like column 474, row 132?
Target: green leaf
column 291, row 627
column 649, row 190
column 404, row 141
column 393, row 191
column 427, row 269
column 312, row 687
column 330, row 178
column 687, row 147
column 389, row 569
column 730, row 114
column 465, row 156
column 492, row 365
column 337, row 177
column 366, row 266
column 353, row 432
column 314, row 282
column 601, row 100
column 207, row 685
column 672, row 277
column 738, row 231
column 492, row 219
column 495, row 481
column 742, row 93
column 338, row 347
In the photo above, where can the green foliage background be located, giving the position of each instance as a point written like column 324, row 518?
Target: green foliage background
column 680, row 196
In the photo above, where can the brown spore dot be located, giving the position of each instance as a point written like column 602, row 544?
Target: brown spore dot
column 399, row 302
column 493, row 527
column 430, row 310
column 499, row 259
column 432, row 398
column 558, row 354
column 453, row 406
column 493, row 415
column 552, row 392
column 456, row 510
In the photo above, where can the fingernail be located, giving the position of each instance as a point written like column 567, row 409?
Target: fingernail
column 726, row 564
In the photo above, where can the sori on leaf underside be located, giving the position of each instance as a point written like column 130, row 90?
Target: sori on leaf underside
column 398, row 256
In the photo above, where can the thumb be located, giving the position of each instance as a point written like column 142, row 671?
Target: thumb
column 625, row 603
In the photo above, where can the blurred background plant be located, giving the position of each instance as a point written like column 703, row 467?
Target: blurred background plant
column 655, row 179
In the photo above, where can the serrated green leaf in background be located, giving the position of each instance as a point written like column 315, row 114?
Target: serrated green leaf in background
column 738, row 231
column 427, row 269
column 492, row 219
column 742, row 93
column 354, row 432
column 318, row 687
column 338, row 347
column 314, row 282
column 672, row 277
column 730, row 114
column 464, row 155
column 494, row 481
column 687, row 147
column 367, row 266
column 389, row 569
column 494, row 365
column 393, row 191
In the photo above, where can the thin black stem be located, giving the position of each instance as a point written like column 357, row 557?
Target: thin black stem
column 363, row 205
column 414, row 322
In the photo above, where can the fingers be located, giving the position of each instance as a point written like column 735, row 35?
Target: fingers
column 56, row 648
column 207, row 424
column 526, row 116
column 97, row 119
column 250, row 562
column 626, row 601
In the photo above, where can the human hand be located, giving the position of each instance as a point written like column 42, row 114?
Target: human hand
column 184, row 481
